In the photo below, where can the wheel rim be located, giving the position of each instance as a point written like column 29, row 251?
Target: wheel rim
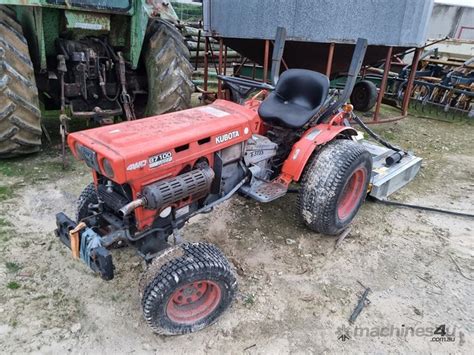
column 360, row 96
column 193, row 302
column 352, row 193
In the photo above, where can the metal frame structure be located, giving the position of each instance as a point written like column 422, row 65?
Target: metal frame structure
column 222, row 67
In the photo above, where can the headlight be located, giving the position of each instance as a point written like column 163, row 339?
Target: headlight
column 107, row 168
column 88, row 155
column 78, row 148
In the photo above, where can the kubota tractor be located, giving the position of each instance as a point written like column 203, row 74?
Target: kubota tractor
column 152, row 175
column 88, row 59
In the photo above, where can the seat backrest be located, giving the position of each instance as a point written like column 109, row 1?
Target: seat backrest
column 303, row 87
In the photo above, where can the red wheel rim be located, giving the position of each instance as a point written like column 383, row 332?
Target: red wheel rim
column 352, row 193
column 193, row 302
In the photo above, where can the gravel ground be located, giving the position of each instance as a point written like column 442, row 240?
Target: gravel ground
column 296, row 291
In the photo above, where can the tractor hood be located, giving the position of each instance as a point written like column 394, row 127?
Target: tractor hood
column 133, row 150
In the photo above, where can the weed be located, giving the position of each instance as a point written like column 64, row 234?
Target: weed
column 12, row 266
column 4, row 237
column 4, row 223
column 249, row 300
column 13, row 285
column 6, row 192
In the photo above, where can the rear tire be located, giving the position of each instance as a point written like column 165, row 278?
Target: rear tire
column 187, row 288
column 334, row 186
column 169, row 70
column 364, row 96
column 20, row 117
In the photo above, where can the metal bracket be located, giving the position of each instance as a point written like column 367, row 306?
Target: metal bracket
column 278, row 49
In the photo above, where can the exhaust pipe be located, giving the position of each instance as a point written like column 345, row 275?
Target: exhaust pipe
column 130, row 207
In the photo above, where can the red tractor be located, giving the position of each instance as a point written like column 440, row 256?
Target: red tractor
column 152, row 175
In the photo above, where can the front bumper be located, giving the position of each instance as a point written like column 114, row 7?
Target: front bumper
column 89, row 246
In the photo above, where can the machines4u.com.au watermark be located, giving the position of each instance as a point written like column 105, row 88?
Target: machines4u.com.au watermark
column 441, row 333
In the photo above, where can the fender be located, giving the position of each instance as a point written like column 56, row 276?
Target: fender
column 302, row 150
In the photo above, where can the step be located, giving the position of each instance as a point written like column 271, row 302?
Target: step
column 264, row 191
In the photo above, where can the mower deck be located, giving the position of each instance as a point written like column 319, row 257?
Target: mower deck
column 385, row 179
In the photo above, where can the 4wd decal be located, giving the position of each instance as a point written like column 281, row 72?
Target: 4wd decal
column 227, row 137
column 160, row 159
column 137, row 165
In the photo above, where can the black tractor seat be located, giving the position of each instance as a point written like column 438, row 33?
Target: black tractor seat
column 297, row 98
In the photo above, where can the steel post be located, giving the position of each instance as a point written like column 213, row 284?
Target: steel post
column 219, row 68
column 330, row 58
column 383, row 84
column 225, row 61
column 411, row 79
column 197, row 50
column 265, row 60
column 206, row 62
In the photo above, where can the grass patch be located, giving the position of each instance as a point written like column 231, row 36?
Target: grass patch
column 4, row 223
column 249, row 300
column 13, row 285
column 12, row 266
column 6, row 192
column 4, row 237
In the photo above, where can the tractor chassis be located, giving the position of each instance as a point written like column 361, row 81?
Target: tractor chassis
column 385, row 180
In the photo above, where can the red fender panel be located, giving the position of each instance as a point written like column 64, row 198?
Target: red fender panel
column 303, row 149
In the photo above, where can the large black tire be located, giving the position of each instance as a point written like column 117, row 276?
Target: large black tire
column 187, row 288
column 334, row 186
column 169, row 70
column 20, row 117
column 364, row 96
column 88, row 196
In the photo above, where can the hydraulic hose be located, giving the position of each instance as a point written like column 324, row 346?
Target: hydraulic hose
column 390, row 160
column 423, row 208
column 375, row 135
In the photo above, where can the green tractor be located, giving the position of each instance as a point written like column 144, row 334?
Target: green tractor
column 99, row 60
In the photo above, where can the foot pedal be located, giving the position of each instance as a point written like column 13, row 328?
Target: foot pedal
column 265, row 191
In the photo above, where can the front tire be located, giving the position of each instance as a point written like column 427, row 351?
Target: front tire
column 187, row 288
column 87, row 197
column 334, row 186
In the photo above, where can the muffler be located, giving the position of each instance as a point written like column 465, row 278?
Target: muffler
column 195, row 184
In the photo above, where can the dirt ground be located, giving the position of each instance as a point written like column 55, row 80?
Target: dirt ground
column 296, row 291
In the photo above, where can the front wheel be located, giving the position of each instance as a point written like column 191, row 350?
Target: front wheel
column 334, row 186
column 187, row 288
column 87, row 197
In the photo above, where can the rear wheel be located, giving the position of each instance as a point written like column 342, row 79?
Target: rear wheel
column 20, row 125
column 169, row 70
column 334, row 186
column 187, row 288
column 364, row 96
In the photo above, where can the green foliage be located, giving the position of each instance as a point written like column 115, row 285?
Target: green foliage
column 13, row 285
column 6, row 192
column 249, row 300
column 12, row 266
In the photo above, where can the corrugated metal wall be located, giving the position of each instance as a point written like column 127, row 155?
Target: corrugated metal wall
column 383, row 22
